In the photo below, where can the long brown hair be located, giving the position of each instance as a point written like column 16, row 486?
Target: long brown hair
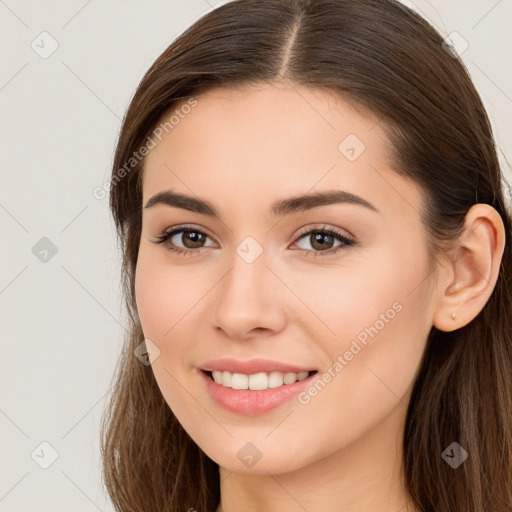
column 386, row 58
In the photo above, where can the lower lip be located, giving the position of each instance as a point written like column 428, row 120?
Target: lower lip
column 244, row 401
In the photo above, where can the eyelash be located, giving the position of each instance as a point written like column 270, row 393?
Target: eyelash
column 346, row 242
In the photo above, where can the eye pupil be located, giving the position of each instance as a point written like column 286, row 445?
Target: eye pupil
column 319, row 237
column 193, row 236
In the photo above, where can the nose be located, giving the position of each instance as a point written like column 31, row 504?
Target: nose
column 250, row 300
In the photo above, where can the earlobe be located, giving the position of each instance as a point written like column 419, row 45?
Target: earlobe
column 473, row 271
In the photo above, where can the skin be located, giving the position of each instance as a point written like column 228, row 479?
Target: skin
column 241, row 150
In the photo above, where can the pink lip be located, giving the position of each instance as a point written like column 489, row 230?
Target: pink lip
column 249, row 402
column 252, row 366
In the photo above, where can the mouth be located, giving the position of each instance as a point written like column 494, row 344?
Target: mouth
column 254, row 394
column 256, row 381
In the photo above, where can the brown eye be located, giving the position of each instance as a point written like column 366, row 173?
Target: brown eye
column 191, row 239
column 324, row 240
column 321, row 241
column 183, row 240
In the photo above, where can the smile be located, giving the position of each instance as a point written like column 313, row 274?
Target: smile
column 253, row 394
column 256, row 381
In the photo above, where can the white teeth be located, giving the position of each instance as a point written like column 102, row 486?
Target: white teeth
column 289, row 378
column 239, row 381
column 226, row 379
column 275, row 379
column 256, row 381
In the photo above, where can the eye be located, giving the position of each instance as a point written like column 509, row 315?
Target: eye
column 322, row 241
column 192, row 239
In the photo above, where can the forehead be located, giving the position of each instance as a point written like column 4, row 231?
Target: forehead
column 244, row 145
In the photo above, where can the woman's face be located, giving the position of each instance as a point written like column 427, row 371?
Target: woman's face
column 261, row 281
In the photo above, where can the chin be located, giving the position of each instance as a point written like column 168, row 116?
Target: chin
column 246, row 458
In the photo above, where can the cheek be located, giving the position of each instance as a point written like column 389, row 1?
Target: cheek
column 381, row 321
column 163, row 294
column 164, row 297
column 153, row 305
column 366, row 380
column 169, row 299
column 366, row 292
column 350, row 303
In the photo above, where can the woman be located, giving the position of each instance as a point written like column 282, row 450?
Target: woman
column 317, row 268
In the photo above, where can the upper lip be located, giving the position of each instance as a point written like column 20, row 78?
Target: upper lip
column 252, row 366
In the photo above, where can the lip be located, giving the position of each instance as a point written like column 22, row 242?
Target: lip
column 252, row 366
column 249, row 402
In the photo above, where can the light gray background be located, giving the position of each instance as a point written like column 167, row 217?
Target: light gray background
column 62, row 320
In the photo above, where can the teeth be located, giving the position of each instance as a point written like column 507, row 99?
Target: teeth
column 256, row 381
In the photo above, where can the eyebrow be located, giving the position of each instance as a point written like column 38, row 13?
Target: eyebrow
column 278, row 209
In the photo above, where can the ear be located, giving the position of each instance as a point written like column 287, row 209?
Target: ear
column 467, row 281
